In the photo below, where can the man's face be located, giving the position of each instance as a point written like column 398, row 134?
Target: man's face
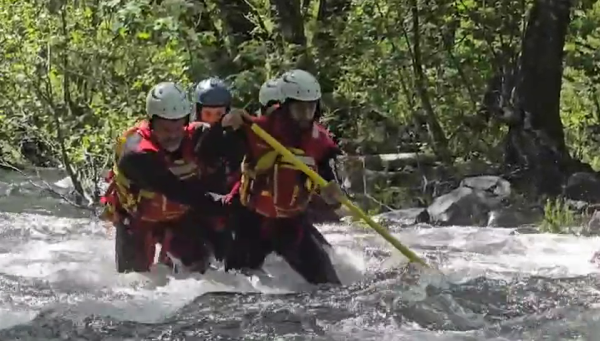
column 211, row 115
column 169, row 133
column 303, row 112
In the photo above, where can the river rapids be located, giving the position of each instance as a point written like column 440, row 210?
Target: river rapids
column 58, row 282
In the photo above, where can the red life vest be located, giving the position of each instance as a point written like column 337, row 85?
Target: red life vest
column 271, row 185
column 122, row 194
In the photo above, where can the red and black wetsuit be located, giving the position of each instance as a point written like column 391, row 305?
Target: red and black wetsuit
column 146, row 167
column 258, row 231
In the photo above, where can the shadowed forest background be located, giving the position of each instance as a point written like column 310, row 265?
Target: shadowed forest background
column 468, row 87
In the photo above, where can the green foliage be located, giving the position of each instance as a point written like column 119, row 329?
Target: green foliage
column 81, row 70
column 581, row 92
column 85, row 67
column 558, row 217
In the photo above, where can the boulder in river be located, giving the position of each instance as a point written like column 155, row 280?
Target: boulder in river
column 406, row 216
column 470, row 203
column 583, row 186
column 494, row 188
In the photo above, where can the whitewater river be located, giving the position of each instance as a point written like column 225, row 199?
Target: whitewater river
column 57, row 282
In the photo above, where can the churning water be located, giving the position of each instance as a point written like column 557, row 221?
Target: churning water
column 57, row 282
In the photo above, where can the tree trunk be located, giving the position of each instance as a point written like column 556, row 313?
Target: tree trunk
column 288, row 14
column 538, row 90
column 535, row 141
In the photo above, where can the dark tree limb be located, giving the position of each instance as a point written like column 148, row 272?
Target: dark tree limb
column 535, row 141
column 290, row 22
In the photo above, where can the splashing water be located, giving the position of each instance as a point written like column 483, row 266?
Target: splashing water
column 57, row 281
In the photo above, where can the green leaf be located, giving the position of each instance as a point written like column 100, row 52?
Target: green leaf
column 143, row 35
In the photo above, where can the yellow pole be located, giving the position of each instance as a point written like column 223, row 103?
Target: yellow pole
column 345, row 201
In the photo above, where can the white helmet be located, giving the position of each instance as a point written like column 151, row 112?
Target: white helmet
column 169, row 101
column 270, row 92
column 299, row 85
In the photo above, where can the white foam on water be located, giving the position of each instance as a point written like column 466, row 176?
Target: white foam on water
column 75, row 258
column 79, row 266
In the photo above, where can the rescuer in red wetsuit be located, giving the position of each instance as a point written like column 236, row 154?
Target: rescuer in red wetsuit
column 213, row 100
column 274, row 195
column 270, row 99
column 157, row 191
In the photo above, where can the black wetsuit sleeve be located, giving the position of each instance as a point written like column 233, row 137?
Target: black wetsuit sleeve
column 217, row 143
column 324, row 166
column 237, row 147
column 326, row 170
column 147, row 171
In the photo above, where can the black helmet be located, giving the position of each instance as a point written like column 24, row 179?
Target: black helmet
column 213, row 92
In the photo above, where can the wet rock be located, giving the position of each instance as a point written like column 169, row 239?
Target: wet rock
column 583, row 187
column 494, row 188
column 407, row 216
column 514, row 217
column 461, row 206
column 577, row 205
column 470, row 203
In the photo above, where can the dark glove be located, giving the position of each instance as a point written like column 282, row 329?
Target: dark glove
column 332, row 193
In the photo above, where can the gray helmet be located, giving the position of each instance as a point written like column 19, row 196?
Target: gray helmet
column 168, row 100
column 299, row 85
column 213, row 92
column 270, row 92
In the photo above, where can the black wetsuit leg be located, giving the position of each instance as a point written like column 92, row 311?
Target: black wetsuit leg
column 294, row 241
